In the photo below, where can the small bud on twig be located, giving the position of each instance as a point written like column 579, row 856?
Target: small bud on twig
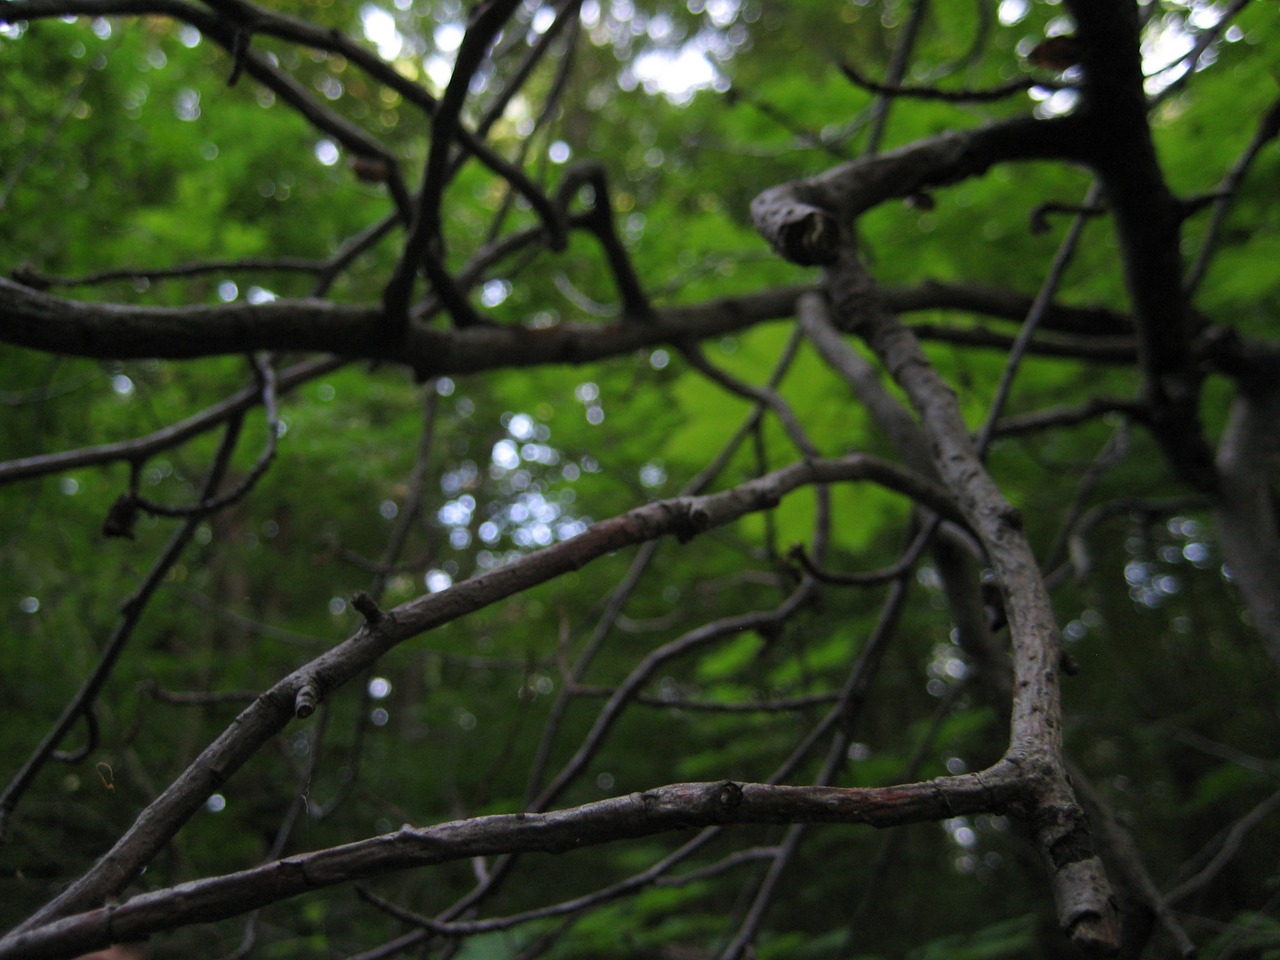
column 368, row 609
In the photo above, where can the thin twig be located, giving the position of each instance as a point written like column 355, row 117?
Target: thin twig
column 130, row 614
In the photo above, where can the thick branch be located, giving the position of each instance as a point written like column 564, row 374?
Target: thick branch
column 1085, row 907
column 1007, row 305
column 664, row 809
column 802, row 219
column 40, row 321
column 1148, row 221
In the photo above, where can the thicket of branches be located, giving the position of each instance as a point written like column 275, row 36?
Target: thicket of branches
column 865, row 629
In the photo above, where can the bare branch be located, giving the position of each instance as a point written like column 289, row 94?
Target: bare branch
column 660, row 810
column 140, row 449
column 1081, row 890
column 802, row 219
column 684, row 517
column 910, row 92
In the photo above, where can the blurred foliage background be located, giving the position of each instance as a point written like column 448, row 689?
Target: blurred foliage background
column 123, row 148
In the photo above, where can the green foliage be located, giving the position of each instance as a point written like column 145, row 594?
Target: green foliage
column 123, row 147
column 1010, row 938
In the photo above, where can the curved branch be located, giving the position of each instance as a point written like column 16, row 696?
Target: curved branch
column 599, row 220
column 1002, row 92
column 1085, row 908
column 205, row 506
column 660, row 810
column 425, row 245
column 802, row 219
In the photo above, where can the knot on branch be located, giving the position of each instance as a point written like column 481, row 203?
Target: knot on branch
column 798, row 230
column 1063, row 833
column 730, row 795
column 1010, row 516
column 122, row 517
column 306, row 700
column 690, row 518
column 811, row 239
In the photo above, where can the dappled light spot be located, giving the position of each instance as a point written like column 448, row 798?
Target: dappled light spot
column 448, row 37
column 1012, row 11
column 1054, row 103
column 186, row 104
column 329, row 87
column 505, row 455
column 653, row 475
column 677, row 74
column 380, row 29
column 326, row 152
column 495, row 292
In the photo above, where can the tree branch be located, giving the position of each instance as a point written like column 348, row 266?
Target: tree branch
column 274, row 709
column 660, row 810
column 1085, row 908
column 1115, row 128
column 802, row 219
